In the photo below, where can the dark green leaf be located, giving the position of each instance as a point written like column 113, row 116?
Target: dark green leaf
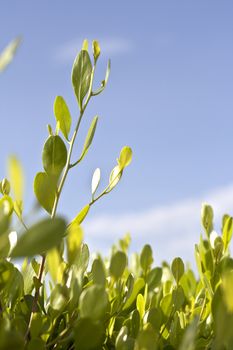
column 40, row 238
column 118, row 264
column 54, row 155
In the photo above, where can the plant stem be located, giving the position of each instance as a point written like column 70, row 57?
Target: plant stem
column 60, row 187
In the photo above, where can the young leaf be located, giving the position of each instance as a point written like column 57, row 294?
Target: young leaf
column 5, row 187
column 227, row 231
column 207, row 218
column 16, row 177
column 114, row 177
column 125, row 157
column 177, row 268
column 81, row 215
column 74, row 240
column 45, row 190
column 81, row 76
column 89, row 137
column 54, row 155
column 85, row 45
column 41, row 237
column 62, row 115
column 95, row 181
column 95, row 49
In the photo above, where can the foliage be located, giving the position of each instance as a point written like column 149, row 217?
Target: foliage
column 61, row 298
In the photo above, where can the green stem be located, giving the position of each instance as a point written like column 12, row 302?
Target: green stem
column 60, row 187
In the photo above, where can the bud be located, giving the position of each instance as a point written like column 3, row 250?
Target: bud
column 96, row 49
column 5, row 187
column 50, row 130
column 85, row 45
column 207, row 218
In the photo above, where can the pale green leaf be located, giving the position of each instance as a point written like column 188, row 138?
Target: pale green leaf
column 45, row 190
column 62, row 115
column 89, row 137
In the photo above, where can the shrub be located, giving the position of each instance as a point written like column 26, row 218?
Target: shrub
column 62, row 299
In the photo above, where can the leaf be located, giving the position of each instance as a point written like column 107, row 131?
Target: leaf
column 138, row 285
column 85, row 45
column 141, row 305
column 16, row 177
column 89, row 307
column 114, row 177
column 118, row 264
column 95, row 181
column 207, row 218
column 88, row 334
column 41, row 237
column 81, row 215
column 146, row 258
column 146, row 340
column 227, row 231
column 74, row 240
column 95, row 49
column 81, row 76
column 104, row 82
column 7, row 55
column 154, row 277
column 45, row 190
column 177, row 268
column 54, row 155
column 62, row 115
column 125, row 157
column 98, row 272
column 54, row 265
column 89, row 137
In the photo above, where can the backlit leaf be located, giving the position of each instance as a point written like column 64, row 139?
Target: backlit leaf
column 45, row 190
column 81, row 75
column 62, row 115
column 89, row 137
column 16, row 177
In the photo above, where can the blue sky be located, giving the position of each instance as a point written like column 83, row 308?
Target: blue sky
column 169, row 97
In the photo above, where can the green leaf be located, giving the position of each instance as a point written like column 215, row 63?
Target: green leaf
column 89, row 137
column 140, row 303
column 227, row 231
column 89, row 307
column 88, row 334
column 81, row 215
column 45, row 190
column 146, row 340
column 154, row 277
column 81, row 76
column 207, row 218
column 98, row 272
column 74, row 240
column 118, row 264
column 177, row 268
column 59, row 298
column 138, row 285
column 54, row 155
column 41, row 237
column 146, row 258
column 62, row 115
column 125, row 157
column 5, row 187
column 16, row 177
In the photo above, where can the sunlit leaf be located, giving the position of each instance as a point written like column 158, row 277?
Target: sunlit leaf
column 54, row 155
column 89, row 137
column 62, row 114
column 16, row 177
column 8, row 53
column 95, row 181
column 45, row 190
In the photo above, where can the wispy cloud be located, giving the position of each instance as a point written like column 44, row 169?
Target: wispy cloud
column 110, row 46
column 172, row 229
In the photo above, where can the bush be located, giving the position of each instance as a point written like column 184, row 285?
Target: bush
column 62, row 299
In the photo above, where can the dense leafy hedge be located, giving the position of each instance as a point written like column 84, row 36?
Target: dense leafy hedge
column 60, row 298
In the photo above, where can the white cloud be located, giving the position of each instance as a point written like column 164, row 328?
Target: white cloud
column 172, row 230
column 109, row 47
